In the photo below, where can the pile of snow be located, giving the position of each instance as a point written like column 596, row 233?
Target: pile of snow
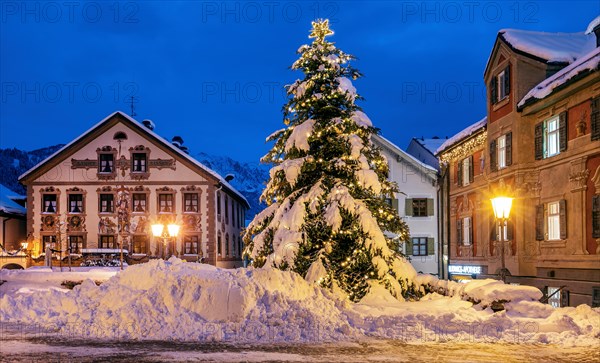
column 552, row 47
column 468, row 131
column 587, row 63
column 483, row 292
column 175, row 300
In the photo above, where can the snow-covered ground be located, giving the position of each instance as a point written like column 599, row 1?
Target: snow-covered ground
column 194, row 305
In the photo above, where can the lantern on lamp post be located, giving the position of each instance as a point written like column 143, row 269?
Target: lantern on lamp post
column 159, row 231
column 502, row 206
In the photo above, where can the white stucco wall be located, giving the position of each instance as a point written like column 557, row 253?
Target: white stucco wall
column 413, row 182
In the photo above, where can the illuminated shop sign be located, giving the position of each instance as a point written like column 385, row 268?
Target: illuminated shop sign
column 464, row 269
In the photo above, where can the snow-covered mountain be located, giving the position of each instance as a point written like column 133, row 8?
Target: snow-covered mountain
column 15, row 162
column 250, row 178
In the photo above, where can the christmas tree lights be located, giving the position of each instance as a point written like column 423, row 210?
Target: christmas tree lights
column 327, row 193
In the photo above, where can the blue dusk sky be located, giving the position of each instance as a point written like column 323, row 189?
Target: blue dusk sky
column 213, row 71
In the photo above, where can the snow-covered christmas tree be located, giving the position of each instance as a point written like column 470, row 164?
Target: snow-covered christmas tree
column 327, row 194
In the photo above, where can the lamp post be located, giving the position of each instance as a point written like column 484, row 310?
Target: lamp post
column 501, row 206
column 159, row 231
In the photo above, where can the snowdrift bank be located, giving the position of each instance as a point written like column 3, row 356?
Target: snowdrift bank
column 175, row 300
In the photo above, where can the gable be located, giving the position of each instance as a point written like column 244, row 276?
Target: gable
column 61, row 166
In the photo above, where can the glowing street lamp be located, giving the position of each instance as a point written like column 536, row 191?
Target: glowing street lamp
column 159, row 231
column 501, row 206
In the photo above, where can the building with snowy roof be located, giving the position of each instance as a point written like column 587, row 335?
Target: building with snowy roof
column 13, row 228
column 107, row 187
column 424, row 150
column 542, row 147
column 416, row 204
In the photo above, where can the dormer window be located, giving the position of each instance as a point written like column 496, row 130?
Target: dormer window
column 500, row 86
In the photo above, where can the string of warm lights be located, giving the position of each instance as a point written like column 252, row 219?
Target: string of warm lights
column 464, row 149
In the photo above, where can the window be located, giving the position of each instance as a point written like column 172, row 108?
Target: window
column 464, row 231
column 190, row 202
column 165, row 203
column 226, row 244
column 419, row 245
column 107, row 203
column 49, row 205
column 48, row 241
column 596, row 216
column 139, row 162
column 75, row 244
column 106, row 163
column 219, row 247
column 139, row 202
column 419, row 206
column 554, row 297
column 467, row 231
column 190, row 245
column 466, row 166
column 502, row 91
column 107, row 241
column 551, row 136
column 500, row 86
column 219, row 203
column 75, row 203
column 552, row 146
column 502, row 152
column 553, row 221
column 140, row 244
column 226, row 209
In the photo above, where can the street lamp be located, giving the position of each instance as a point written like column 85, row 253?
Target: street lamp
column 159, row 231
column 501, row 206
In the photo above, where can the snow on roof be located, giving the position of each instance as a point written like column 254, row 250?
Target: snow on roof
column 431, row 144
column 552, row 47
column 404, row 155
column 153, row 134
column 594, row 23
column 7, row 205
column 470, row 130
column 589, row 62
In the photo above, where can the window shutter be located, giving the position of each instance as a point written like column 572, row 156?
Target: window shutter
column 539, row 222
column 493, row 156
column 596, row 216
column 471, row 169
column 564, row 298
column 595, row 119
column 509, row 149
column 562, row 133
column 539, row 141
column 430, row 246
column 471, row 241
column 409, row 247
column 493, row 90
column 460, row 173
column 408, row 207
column 430, row 210
column 395, row 204
column 459, row 237
column 510, row 230
column 507, row 80
column 493, row 229
column 563, row 219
